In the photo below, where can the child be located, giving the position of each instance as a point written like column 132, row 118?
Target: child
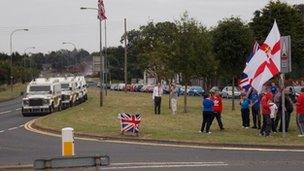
column 273, row 112
column 207, row 106
column 245, row 103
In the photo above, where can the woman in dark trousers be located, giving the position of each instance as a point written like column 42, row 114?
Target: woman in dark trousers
column 207, row 108
column 288, row 110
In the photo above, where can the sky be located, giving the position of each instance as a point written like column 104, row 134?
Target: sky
column 51, row 22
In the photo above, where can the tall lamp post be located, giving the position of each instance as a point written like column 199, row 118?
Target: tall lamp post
column 11, row 53
column 32, row 47
column 101, row 57
column 75, row 49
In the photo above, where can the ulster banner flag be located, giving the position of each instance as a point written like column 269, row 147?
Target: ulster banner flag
column 266, row 63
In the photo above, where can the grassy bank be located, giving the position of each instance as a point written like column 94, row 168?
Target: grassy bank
column 7, row 94
column 90, row 118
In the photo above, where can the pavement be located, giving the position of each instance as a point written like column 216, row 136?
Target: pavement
column 18, row 146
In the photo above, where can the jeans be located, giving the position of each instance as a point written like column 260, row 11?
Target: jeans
column 266, row 125
column 300, row 123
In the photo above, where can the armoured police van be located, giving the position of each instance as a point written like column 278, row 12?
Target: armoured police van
column 81, row 88
column 43, row 95
column 68, row 91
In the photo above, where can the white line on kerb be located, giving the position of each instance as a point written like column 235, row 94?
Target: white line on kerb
column 18, row 109
column 5, row 112
column 9, row 129
column 164, row 163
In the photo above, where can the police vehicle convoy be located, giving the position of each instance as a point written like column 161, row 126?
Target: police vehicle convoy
column 46, row 95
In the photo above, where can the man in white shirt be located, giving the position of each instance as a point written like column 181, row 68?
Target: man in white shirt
column 157, row 93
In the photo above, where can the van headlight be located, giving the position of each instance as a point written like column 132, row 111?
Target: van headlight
column 46, row 101
column 25, row 102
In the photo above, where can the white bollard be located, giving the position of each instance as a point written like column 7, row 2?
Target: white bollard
column 67, row 141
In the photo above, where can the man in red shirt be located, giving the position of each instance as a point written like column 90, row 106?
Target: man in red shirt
column 218, row 107
column 300, row 113
column 266, row 113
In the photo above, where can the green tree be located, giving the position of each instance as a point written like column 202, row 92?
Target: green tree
column 232, row 40
column 192, row 52
column 290, row 22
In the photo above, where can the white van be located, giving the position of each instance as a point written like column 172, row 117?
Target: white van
column 68, row 91
column 81, row 88
column 42, row 96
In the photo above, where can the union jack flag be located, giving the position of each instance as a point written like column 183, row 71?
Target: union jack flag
column 101, row 11
column 245, row 82
column 129, row 123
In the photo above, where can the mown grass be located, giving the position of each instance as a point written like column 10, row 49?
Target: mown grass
column 90, row 118
column 7, row 94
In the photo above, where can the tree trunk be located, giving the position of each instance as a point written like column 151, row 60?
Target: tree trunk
column 233, row 105
column 185, row 98
column 169, row 93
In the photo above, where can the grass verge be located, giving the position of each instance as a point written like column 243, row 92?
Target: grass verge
column 6, row 93
column 90, row 118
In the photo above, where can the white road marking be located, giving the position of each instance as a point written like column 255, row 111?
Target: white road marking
column 142, row 165
column 29, row 128
column 5, row 112
column 2, row 131
column 9, row 129
column 164, row 163
column 20, row 126
column 18, row 109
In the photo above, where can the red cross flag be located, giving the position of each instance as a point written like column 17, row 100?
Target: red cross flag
column 101, row 11
column 266, row 63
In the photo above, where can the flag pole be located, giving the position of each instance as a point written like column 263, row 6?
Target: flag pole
column 126, row 55
column 101, row 65
column 106, row 57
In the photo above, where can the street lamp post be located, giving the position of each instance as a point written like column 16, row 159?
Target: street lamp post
column 11, row 53
column 101, row 57
column 75, row 49
column 33, row 47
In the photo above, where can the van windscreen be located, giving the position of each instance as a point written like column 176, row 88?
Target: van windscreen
column 40, row 88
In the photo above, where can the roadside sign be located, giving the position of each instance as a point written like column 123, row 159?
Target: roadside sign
column 285, row 54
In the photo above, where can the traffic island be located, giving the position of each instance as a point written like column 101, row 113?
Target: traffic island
column 89, row 120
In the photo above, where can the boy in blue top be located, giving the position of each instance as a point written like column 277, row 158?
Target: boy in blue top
column 207, row 108
column 255, row 109
column 245, row 104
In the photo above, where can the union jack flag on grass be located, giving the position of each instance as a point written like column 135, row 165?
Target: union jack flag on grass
column 129, row 123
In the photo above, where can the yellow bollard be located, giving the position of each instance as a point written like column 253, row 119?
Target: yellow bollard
column 67, row 141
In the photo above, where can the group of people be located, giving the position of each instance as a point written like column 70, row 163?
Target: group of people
column 157, row 94
column 266, row 109
column 212, row 107
column 271, row 107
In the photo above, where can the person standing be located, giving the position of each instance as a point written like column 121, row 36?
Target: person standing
column 255, row 109
column 273, row 112
column 288, row 108
column 174, row 97
column 207, row 108
column 157, row 93
column 218, row 107
column 300, row 113
column 265, row 131
column 245, row 103
column 273, row 89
